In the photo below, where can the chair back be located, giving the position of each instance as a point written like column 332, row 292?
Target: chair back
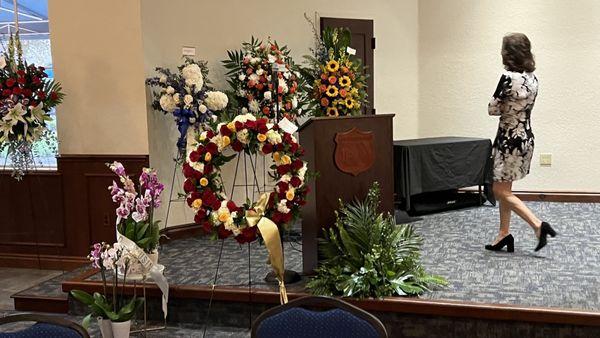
column 46, row 326
column 300, row 319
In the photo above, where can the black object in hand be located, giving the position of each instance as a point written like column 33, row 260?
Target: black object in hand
column 503, row 83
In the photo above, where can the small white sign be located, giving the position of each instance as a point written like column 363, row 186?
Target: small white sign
column 287, row 126
column 351, row 50
column 188, row 51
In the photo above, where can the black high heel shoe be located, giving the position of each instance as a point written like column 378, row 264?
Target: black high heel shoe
column 508, row 241
column 544, row 232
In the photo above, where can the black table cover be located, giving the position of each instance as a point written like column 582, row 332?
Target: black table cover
column 441, row 163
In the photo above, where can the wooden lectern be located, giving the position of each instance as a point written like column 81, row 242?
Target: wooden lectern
column 348, row 154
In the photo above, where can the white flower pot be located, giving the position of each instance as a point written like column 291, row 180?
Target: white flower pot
column 121, row 329
column 105, row 328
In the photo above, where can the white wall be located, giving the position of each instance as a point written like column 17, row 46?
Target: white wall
column 460, row 63
column 214, row 27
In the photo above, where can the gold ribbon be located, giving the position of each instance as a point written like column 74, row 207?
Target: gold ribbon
column 270, row 234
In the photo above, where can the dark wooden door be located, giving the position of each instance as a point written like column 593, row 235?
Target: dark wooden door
column 364, row 43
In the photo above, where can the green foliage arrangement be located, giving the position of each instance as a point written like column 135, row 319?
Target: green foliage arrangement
column 368, row 255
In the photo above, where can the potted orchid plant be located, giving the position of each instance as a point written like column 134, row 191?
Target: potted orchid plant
column 112, row 310
column 135, row 213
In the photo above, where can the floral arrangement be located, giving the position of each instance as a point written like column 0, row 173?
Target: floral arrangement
column 335, row 78
column 135, row 212
column 204, row 188
column 187, row 95
column 265, row 80
column 27, row 97
column 109, row 306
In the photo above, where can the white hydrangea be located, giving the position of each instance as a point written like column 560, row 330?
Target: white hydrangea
column 273, row 137
column 167, row 103
column 254, row 106
column 216, row 100
column 243, row 136
column 192, row 74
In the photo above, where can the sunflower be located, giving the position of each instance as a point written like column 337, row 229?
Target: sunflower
column 332, row 111
column 345, row 81
column 349, row 103
column 332, row 66
column 332, row 91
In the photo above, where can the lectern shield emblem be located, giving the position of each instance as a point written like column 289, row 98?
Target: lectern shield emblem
column 354, row 151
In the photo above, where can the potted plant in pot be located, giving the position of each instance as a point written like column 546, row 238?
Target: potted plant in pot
column 112, row 310
column 135, row 213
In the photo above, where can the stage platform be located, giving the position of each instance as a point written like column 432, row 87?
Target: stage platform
column 555, row 290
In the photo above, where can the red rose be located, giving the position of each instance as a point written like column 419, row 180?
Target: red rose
column 17, row 91
column 295, row 181
column 6, row 92
column 297, row 164
column 21, row 72
column 36, row 80
column 10, row 82
column 283, row 187
column 293, row 147
column 200, row 216
column 210, row 134
column 188, row 171
column 207, row 227
column 195, row 156
column 267, row 148
column 225, row 131
column 283, row 169
column 237, row 146
column 189, row 186
column 250, row 124
column 53, row 96
column 27, row 92
column 208, row 168
column 231, row 206
column 238, row 125
column 21, row 80
column 223, row 233
column 212, row 148
column 247, row 235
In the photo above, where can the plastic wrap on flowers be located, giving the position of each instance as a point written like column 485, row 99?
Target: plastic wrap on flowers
column 187, row 95
column 265, row 80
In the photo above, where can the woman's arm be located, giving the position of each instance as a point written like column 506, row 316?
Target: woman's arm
column 501, row 92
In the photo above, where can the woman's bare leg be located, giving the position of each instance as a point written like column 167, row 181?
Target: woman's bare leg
column 503, row 192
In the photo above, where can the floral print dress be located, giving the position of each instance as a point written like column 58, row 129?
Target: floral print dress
column 513, row 147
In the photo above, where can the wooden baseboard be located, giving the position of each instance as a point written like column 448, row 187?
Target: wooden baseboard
column 574, row 197
column 46, row 262
column 41, row 304
column 180, row 232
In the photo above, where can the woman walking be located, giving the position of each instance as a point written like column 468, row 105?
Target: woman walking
column 512, row 151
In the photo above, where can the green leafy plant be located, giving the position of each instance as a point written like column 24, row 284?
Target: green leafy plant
column 145, row 234
column 101, row 307
column 367, row 255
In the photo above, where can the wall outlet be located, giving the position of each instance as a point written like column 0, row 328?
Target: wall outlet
column 545, row 160
column 188, row 51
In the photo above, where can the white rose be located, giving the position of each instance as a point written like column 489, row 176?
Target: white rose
column 216, row 100
column 188, row 99
column 243, row 136
column 267, row 95
column 260, row 72
column 176, row 97
column 283, row 85
column 271, row 58
column 166, row 103
column 170, row 90
column 202, row 109
column 285, row 178
column 242, row 77
column 162, row 79
column 253, row 77
column 242, row 118
column 273, row 137
column 282, row 207
column 244, row 110
column 294, row 102
column 255, row 60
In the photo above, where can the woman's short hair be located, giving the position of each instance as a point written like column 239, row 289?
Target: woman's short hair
column 516, row 53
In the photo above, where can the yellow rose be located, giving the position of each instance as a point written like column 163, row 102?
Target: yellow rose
column 261, row 137
column 290, row 194
column 197, row 203
column 285, row 159
column 203, row 182
column 203, row 136
column 226, row 141
column 276, row 157
column 223, row 216
column 231, row 126
column 207, row 157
